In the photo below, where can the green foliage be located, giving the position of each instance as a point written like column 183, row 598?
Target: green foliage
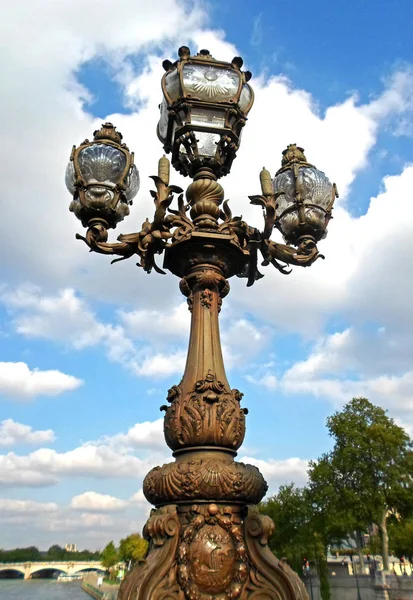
column 368, row 472
column 133, row 548
column 365, row 479
column 323, row 575
column 401, row 538
column 300, row 532
column 290, row 511
column 55, row 552
column 20, row 555
column 374, row 545
column 109, row 556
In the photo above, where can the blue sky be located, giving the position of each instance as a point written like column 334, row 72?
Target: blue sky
column 84, row 359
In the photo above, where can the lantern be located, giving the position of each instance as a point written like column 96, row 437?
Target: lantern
column 204, row 109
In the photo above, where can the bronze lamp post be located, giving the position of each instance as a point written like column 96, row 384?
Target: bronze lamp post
column 207, row 538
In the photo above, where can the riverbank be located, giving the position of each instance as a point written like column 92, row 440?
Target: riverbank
column 102, row 592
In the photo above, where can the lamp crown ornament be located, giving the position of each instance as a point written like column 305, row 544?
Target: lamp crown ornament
column 293, row 154
column 207, row 538
column 108, row 132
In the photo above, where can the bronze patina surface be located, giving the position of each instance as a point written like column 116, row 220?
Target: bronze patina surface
column 207, row 538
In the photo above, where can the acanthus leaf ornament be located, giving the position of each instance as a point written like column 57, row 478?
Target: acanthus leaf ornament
column 208, row 415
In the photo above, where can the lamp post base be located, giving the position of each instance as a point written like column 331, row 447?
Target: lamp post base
column 210, row 551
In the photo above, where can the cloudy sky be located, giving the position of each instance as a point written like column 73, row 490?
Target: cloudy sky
column 88, row 350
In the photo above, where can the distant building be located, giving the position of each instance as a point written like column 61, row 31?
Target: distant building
column 70, row 548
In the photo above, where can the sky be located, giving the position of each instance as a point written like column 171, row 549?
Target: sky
column 88, row 349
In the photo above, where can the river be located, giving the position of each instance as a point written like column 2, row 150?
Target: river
column 40, row 589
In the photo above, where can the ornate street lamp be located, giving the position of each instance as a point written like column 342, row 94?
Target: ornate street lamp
column 207, row 538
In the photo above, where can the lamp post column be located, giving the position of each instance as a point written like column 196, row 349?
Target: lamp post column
column 207, row 538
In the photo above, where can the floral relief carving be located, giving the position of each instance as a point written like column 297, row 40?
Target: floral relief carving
column 204, row 479
column 206, row 298
column 212, row 559
column 208, row 415
column 150, row 578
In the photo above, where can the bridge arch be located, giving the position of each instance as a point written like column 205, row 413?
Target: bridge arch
column 46, row 572
column 89, row 570
column 11, row 573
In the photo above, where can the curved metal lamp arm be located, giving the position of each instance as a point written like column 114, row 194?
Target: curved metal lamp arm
column 268, row 202
column 302, row 256
column 153, row 237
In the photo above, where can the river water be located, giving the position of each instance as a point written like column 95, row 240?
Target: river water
column 41, row 589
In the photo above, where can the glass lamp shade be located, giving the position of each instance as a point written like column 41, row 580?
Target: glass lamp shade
column 304, row 207
column 210, row 83
column 102, row 178
column 132, row 184
column 101, row 163
column 203, row 111
column 70, row 177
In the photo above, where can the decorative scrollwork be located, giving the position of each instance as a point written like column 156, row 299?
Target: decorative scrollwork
column 151, row 578
column 269, row 205
column 303, row 256
column 204, row 479
column 208, row 415
column 205, row 195
column 152, row 238
column 206, row 298
column 212, row 560
column 269, row 578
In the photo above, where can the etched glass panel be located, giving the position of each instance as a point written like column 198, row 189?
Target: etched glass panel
column 207, row 82
column 70, row 177
column 172, row 85
column 289, row 222
column 284, row 182
column 315, row 187
column 163, row 121
column 208, row 117
column 206, row 142
column 102, row 163
column 245, row 98
column 132, row 183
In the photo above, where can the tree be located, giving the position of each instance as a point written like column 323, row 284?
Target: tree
column 326, row 497
column 300, row 534
column 369, row 473
column 289, row 511
column 401, row 537
column 20, row 555
column 56, row 552
column 109, row 556
column 133, row 548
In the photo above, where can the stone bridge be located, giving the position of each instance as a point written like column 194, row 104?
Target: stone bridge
column 70, row 567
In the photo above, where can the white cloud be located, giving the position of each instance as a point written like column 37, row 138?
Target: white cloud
column 26, row 507
column 139, row 497
column 12, row 433
column 156, row 325
column 280, row 472
column 355, row 362
column 142, row 435
column 66, row 318
column 94, row 502
column 263, row 375
column 162, row 365
column 18, row 381
column 46, row 466
column 144, row 342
